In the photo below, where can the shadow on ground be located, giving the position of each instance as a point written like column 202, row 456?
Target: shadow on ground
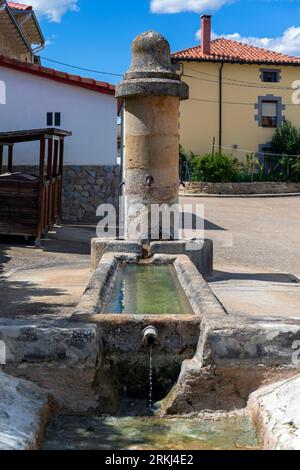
column 281, row 278
column 38, row 284
column 4, row 258
column 24, row 299
column 193, row 222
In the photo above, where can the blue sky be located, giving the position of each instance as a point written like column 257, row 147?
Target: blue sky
column 97, row 33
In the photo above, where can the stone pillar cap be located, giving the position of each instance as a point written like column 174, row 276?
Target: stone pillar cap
column 151, row 72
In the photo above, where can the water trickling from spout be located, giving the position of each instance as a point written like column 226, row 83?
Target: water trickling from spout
column 150, row 378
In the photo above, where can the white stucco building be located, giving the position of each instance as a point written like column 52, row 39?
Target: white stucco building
column 38, row 97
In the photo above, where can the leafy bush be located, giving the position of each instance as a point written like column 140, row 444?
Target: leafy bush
column 218, row 169
column 286, row 142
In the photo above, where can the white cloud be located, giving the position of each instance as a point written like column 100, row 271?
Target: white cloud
column 287, row 43
column 53, row 10
column 178, row 6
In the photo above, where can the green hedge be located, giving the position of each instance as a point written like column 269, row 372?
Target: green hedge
column 223, row 168
column 218, row 169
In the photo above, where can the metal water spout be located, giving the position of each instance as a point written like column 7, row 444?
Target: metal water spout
column 150, row 336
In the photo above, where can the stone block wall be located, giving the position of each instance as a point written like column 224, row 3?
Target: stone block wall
column 268, row 187
column 84, row 189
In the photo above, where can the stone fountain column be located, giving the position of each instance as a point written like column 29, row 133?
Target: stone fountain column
column 152, row 91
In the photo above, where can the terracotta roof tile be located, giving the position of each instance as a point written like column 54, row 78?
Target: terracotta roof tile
column 226, row 50
column 19, row 6
column 57, row 75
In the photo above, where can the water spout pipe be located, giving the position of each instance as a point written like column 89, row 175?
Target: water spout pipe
column 150, row 336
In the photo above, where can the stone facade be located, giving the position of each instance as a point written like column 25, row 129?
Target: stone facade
column 84, row 189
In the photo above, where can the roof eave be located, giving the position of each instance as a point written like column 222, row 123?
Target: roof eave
column 235, row 61
column 50, row 75
column 14, row 21
column 43, row 40
column 35, row 22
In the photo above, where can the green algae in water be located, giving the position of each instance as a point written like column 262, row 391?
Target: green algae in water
column 151, row 433
column 147, row 290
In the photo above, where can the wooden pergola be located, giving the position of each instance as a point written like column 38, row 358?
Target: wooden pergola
column 30, row 204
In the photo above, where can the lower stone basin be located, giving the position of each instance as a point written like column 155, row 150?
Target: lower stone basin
column 145, row 433
column 126, row 295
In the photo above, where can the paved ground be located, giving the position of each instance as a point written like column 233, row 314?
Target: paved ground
column 257, row 254
column 257, row 262
column 259, row 234
column 44, row 282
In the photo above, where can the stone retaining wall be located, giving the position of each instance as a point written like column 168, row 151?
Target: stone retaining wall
column 84, row 189
column 242, row 188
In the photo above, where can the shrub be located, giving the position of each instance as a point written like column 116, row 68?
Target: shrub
column 286, row 142
column 218, row 169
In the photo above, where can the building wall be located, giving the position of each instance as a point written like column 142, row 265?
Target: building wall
column 199, row 120
column 91, row 116
column 13, row 49
column 91, row 174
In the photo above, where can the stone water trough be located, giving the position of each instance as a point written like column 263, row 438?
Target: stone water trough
column 124, row 363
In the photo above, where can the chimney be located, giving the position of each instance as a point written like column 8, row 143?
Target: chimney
column 205, row 33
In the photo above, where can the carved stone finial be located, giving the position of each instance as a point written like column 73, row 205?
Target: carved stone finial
column 151, row 72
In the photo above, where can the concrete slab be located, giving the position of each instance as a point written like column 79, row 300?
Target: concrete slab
column 258, row 234
column 258, row 295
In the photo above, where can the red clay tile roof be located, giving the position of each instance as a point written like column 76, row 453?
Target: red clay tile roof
column 226, row 50
column 19, row 6
column 68, row 79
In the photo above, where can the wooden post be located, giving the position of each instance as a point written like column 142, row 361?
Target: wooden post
column 60, row 173
column 49, row 183
column 49, row 161
column 61, row 156
column 41, row 189
column 1, row 159
column 10, row 158
column 55, row 184
column 55, row 159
